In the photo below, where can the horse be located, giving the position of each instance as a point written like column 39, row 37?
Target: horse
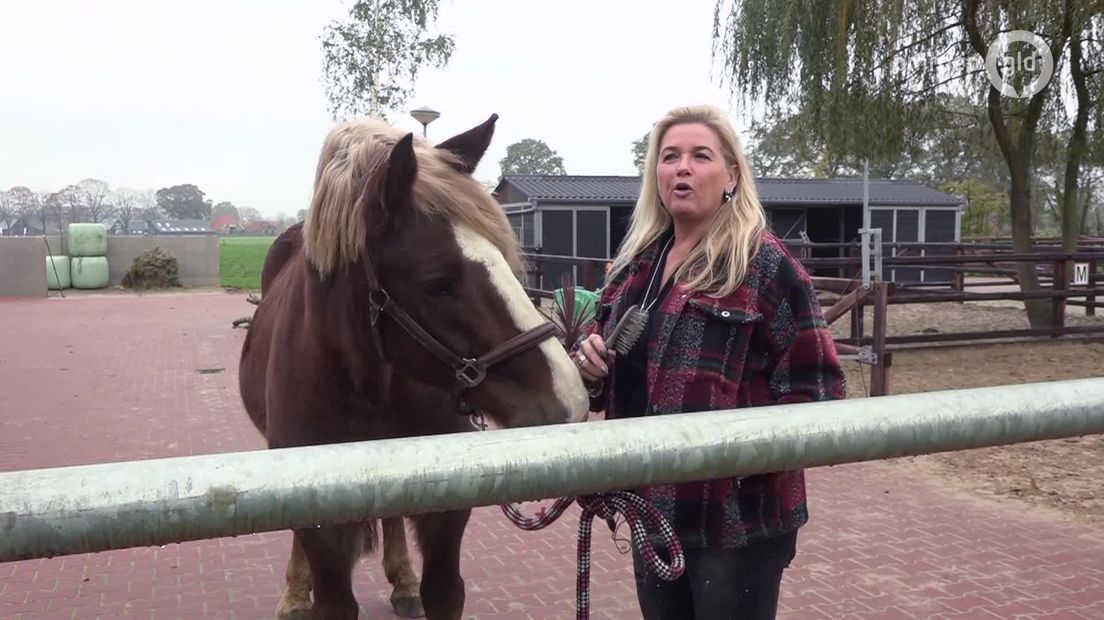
column 295, row 602
column 395, row 309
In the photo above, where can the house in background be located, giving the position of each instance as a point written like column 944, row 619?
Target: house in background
column 587, row 216
column 261, row 228
column 226, row 224
column 141, row 226
column 30, row 225
column 135, row 226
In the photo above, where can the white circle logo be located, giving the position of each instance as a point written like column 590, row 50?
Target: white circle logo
column 1039, row 60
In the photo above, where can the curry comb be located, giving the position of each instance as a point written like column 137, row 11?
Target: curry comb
column 628, row 330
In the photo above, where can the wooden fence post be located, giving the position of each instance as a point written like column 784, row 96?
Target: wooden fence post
column 879, row 373
column 1090, row 297
column 857, row 315
column 1058, row 304
column 958, row 276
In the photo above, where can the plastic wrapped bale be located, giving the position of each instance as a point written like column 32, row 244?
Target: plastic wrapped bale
column 57, row 273
column 154, row 268
column 87, row 240
column 89, row 272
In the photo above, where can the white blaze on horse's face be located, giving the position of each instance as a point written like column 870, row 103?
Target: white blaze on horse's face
column 566, row 381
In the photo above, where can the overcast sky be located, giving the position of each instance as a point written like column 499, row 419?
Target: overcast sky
column 228, row 95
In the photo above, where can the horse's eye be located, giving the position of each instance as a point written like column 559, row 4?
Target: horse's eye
column 440, row 288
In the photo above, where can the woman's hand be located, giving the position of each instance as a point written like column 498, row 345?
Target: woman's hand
column 591, row 359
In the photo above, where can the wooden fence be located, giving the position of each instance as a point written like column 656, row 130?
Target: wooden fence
column 970, row 266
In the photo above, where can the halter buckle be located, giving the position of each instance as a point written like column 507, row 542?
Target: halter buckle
column 377, row 299
column 470, row 373
column 478, row 421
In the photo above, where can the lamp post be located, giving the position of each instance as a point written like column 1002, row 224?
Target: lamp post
column 425, row 115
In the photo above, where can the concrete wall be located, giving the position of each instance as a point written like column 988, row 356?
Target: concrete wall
column 58, row 246
column 198, row 257
column 22, row 267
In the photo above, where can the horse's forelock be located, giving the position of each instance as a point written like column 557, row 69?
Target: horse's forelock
column 348, row 179
column 442, row 190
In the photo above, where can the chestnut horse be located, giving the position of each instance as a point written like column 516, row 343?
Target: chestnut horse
column 394, row 308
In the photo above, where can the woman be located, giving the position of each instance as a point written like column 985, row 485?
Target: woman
column 732, row 321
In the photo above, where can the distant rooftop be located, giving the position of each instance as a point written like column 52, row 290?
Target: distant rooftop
column 772, row 191
column 181, row 226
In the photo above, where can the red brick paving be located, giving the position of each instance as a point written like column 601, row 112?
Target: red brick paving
column 97, row 378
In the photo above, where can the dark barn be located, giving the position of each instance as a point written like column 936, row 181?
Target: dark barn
column 586, row 216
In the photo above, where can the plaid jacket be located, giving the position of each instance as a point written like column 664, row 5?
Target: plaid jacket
column 766, row 343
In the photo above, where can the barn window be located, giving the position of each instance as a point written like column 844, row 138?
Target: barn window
column 787, row 223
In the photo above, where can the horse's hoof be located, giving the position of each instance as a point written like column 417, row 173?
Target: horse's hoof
column 293, row 611
column 407, row 607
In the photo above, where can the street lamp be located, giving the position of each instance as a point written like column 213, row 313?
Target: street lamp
column 425, row 115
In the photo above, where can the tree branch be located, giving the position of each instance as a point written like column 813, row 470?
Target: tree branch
column 934, row 87
column 1000, row 128
column 1035, row 104
column 890, row 57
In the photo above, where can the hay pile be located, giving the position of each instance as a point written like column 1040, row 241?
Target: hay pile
column 154, row 268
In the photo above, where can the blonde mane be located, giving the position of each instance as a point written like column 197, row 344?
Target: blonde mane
column 353, row 157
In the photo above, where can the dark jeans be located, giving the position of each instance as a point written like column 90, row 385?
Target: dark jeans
column 718, row 583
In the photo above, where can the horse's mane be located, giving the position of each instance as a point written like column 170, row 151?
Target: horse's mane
column 353, row 157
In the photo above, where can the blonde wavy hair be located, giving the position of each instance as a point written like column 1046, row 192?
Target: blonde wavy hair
column 719, row 262
column 350, row 169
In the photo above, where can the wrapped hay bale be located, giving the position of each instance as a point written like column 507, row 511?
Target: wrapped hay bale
column 89, row 272
column 87, row 240
column 153, row 268
column 57, row 272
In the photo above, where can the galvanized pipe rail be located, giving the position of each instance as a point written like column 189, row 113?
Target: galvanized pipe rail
column 69, row 510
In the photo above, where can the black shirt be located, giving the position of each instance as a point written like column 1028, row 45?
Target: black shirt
column 631, row 370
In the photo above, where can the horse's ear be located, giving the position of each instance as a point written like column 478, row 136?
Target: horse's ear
column 402, row 167
column 393, row 186
column 470, row 146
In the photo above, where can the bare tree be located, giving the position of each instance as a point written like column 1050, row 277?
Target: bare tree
column 147, row 205
column 26, row 202
column 249, row 214
column 126, row 203
column 67, row 204
column 95, row 195
column 58, row 205
column 7, row 208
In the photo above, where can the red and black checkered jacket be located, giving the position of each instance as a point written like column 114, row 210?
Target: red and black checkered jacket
column 767, row 343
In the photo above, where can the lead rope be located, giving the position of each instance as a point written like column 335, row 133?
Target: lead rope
column 637, row 512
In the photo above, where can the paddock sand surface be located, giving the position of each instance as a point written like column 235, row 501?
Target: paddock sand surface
column 1065, row 474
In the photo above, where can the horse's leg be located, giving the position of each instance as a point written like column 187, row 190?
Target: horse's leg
column 439, row 537
column 396, row 565
column 295, row 604
column 332, row 551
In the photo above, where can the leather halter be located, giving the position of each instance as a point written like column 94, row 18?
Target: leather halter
column 470, row 371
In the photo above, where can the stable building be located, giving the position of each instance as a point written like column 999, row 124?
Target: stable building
column 587, row 216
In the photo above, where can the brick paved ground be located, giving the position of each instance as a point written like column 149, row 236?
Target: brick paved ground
column 98, row 378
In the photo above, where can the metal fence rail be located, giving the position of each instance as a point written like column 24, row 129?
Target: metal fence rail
column 70, row 510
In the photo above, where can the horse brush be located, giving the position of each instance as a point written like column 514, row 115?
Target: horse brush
column 627, row 331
